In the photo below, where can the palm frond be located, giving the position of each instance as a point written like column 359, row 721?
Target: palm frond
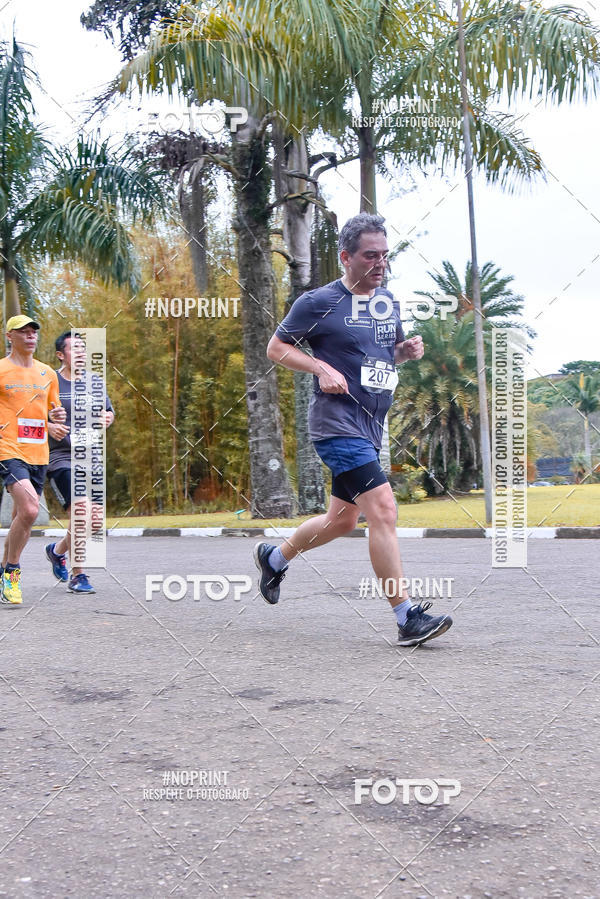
column 62, row 225
column 93, row 171
column 519, row 48
column 22, row 146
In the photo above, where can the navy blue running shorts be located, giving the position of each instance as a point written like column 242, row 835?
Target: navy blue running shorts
column 354, row 464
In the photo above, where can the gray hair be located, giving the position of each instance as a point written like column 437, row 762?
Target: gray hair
column 349, row 238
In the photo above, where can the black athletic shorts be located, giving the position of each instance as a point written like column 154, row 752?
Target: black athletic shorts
column 60, row 481
column 13, row 470
column 350, row 484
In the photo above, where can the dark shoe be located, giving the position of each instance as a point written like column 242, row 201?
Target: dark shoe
column 269, row 578
column 420, row 627
column 80, row 584
column 58, row 562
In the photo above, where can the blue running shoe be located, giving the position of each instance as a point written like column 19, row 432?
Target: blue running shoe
column 79, row 584
column 58, row 562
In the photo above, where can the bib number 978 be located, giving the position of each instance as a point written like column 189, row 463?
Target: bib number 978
column 31, row 430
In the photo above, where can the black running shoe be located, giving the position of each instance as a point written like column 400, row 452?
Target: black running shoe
column 420, row 627
column 269, row 578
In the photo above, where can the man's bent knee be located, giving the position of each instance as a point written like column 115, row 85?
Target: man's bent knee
column 28, row 511
column 382, row 514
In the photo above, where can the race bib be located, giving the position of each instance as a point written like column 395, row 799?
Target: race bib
column 31, row 430
column 376, row 374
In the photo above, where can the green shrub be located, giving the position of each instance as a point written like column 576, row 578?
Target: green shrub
column 407, row 484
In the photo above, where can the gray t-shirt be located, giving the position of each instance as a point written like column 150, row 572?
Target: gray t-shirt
column 60, row 450
column 323, row 318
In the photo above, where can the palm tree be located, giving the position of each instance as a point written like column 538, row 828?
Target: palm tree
column 436, row 406
column 62, row 203
column 584, row 394
column 512, row 49
column 498, row 300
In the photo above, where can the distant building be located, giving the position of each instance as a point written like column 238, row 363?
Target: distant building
column 554, row 465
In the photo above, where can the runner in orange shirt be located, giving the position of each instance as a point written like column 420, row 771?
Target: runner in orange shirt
column 28, row 398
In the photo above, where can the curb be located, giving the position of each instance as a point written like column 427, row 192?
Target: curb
column 557, row 533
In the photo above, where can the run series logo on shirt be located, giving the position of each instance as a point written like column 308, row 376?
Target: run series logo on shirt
column 360, row 346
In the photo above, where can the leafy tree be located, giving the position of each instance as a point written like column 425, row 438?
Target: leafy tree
column 541, row 439
column 544, row 390
column 128, row 23
column 583, row 393
column 182, row 461
column 588, row 367
column 62, row 203
column 576, row 390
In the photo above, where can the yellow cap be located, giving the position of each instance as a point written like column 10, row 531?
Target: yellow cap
column 19, row 321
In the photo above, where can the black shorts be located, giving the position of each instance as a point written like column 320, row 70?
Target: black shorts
column 13, row 470
column 60, row 481
column 350, row 484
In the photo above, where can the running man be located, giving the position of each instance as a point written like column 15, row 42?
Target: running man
column 59, row 469
column 356, row 345
column 28, row 400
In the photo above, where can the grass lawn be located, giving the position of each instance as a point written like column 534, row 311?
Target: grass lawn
column 546, row 507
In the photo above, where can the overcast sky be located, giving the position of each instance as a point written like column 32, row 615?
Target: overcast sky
column 547, row 235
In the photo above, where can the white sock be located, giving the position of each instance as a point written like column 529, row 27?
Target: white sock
column 277, row 560
column 401, row 611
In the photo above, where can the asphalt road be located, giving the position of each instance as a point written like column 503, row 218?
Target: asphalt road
column 109, row 699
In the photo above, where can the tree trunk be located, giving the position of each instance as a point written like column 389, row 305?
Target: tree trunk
column 292, row 155
column 192, row 204
column 11, row 293
column 175, row 432
column 586, row 442
column 368, row 157
column 270, row 486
